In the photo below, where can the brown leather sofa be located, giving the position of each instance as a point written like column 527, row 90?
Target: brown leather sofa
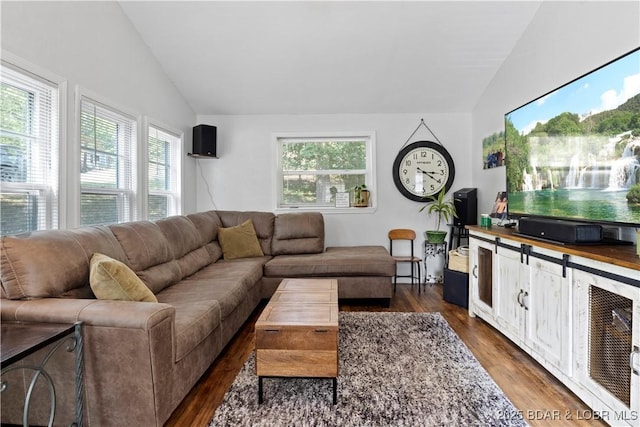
column 142, row 358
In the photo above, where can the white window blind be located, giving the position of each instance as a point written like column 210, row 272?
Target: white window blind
column 29, row 143
column 107, row 164
column 163, row 173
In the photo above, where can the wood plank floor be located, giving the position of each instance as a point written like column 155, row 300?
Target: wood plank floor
column 529, row 386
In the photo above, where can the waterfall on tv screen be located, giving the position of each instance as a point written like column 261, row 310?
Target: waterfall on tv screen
column 582, row 162
column 625, row 170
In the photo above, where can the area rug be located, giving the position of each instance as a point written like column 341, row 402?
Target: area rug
column 396, row 369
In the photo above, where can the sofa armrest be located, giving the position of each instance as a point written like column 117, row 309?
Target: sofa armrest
column 129, row 356
column 117, row 314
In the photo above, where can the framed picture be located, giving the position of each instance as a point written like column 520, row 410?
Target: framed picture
column 342, row 199
column 493, row 152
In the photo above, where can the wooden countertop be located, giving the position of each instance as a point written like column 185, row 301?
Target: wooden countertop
column 620, row 255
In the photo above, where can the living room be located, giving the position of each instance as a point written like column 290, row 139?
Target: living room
column 98, row 49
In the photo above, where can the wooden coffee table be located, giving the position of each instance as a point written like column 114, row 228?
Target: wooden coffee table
column 297, row 333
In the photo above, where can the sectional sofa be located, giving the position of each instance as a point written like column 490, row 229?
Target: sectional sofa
column 142, row 358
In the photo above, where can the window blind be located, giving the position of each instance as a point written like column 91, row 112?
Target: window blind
column 29, row 144
column 107, row 164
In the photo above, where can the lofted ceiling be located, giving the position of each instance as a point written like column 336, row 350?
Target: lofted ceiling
column 331, row 57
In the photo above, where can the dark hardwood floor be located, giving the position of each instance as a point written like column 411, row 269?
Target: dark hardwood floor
column 543, row 400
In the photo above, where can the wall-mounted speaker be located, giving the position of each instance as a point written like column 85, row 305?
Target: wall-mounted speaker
column 204, row 141
column 466, row 202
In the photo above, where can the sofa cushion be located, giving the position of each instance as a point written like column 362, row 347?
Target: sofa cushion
column 203, row 300
column 112, row 280
column 197, row 316
column 298, row 233
column 148, row 253
column 239, row 241
column 262, row 223
column 53, row 263
column 186, row 244
column 335, row 261
column 207, row 224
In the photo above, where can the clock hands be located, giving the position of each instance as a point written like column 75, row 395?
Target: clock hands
column 429, row 174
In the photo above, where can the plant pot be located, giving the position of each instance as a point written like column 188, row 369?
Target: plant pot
column 435, row 236
column 363, row 200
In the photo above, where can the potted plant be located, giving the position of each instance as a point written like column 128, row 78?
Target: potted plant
column 444, row 209
column 361, row 196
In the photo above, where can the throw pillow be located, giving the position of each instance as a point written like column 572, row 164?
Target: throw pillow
column 240, row 241
column 112, row 280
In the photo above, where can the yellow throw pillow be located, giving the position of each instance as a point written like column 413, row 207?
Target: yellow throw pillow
column 112, row 280
column 240, row 241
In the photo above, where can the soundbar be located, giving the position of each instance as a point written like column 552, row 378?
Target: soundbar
column 560, row 230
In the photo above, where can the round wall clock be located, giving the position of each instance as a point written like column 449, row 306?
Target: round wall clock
column 422, row 169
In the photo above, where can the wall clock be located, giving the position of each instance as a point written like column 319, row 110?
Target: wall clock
column 422, row 169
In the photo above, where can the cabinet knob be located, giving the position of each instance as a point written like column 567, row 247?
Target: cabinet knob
column 632, row 357
column 475, row 271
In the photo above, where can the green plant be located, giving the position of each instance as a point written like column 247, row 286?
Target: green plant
column 358, row 192
column 444, row 209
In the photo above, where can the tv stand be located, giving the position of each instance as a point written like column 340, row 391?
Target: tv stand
column 558, row 303
column 603, row 241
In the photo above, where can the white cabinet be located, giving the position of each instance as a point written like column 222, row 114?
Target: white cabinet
column 575, row 310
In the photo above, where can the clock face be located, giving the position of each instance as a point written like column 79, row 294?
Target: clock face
column 422, row 169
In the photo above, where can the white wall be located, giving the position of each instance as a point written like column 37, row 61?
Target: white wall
column 242, row 177
column 94, row 45
column 564, row 41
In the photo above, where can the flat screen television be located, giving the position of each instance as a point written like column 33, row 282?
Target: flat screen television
column 574, row 153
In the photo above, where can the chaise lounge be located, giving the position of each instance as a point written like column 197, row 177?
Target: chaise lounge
column 206, row 272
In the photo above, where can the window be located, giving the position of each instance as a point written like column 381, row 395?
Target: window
column 313, row 168
column 29, row 141
column 163, row 153
column 107, row 164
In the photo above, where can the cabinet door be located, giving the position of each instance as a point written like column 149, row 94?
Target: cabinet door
column 547, row 308
column 607, row 344
column 481, row 279
column 511, row 285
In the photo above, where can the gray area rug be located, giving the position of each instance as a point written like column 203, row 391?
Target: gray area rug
column 396, row 369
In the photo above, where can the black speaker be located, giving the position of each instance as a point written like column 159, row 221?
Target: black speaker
column 204, row 140
column 466, row 202
column 560, row 231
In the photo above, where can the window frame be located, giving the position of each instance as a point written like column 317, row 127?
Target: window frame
column 175, row 193
column 369, row 137
column 53, row 193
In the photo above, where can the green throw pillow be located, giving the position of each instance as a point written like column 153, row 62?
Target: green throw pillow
column 240, row 241
column 111, row 279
